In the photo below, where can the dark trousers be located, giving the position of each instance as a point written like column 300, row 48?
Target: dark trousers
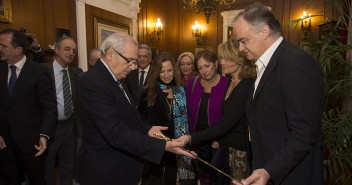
column 164, row 173
column 14, row 162
column 63, row 146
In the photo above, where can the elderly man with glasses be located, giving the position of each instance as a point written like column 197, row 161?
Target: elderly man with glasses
column 115, row 140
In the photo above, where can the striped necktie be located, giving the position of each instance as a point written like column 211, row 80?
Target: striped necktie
column 68, row 106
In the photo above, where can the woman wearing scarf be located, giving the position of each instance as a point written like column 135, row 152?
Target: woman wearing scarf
column 164, row 104
column 185, row 63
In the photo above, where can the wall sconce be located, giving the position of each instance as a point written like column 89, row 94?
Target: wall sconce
column 305, row 26
column 158, row 30
column 197, row 33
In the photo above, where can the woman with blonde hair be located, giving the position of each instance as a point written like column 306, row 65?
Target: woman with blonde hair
column 232, row 125
column 185, row 63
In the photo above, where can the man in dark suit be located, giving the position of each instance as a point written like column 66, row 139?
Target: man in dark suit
column 115, row 140
column 284, row 115
column 28, row 120
column 136, row 79
column 63, row 146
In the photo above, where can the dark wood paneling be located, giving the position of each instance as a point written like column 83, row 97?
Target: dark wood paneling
column 42, row 17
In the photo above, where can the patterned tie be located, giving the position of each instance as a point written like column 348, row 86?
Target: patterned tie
column 13, row 79
column 141, row 79
column 68, row 106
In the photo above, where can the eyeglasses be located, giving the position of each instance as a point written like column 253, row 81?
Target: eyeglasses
column 129, row 61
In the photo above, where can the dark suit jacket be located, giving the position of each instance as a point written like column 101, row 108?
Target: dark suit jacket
column 114, row 141
column 285, row 118
column 31, row 109
column 132, row 82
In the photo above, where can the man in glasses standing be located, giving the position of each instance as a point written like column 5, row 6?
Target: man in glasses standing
column 115, row 140
column 136, row 80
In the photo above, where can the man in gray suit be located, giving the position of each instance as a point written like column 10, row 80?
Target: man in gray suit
column 64, row 143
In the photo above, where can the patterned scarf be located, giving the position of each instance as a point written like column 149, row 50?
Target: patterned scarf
column 180, row 121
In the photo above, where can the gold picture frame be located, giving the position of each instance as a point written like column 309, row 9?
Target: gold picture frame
column 5, row 11
column 104, row 27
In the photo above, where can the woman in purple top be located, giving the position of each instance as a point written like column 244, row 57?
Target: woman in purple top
column 204, row 94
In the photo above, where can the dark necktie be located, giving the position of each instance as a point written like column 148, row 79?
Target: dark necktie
column 68, row 106
column 13, row 79
column 141, row 79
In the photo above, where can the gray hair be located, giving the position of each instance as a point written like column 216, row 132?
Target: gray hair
column 257, row 15
column 61, row 39
column 185, row 54
column 144, row 46
column 117, row 41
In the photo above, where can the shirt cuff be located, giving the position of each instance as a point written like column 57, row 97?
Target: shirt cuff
column 43, row 135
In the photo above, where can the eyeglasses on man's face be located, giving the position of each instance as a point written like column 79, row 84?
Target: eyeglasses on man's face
column 129, row 61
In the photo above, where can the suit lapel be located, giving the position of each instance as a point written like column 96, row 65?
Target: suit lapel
column 3, row 83
column 105, row 72
column 270, row 68
column 52, row 75
column 73, row 77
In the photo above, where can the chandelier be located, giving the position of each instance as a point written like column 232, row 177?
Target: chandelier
column 207, row 6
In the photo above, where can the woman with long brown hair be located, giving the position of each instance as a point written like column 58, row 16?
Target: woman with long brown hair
column 165, row 105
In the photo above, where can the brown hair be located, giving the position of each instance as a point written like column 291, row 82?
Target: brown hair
column 208, row 55
column 229, row 51
column 154, row 77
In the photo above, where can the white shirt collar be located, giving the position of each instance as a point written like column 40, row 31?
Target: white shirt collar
column 146, row 69
column 107, row 67
column 266, row 56
column 57, row 67
column 20, row 63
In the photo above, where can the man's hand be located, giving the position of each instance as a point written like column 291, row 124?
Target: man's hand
column 174, row 147
column 35, row 44
column 156, row 130
column 258, row 177
column 2, row 143
column 42, row 146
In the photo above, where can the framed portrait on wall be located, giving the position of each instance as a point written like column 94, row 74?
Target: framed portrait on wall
column 103, row 28
column 5, row 11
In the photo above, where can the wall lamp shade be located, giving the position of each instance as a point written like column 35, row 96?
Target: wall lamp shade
column 158, row 30
column 207, row 6
column 197, row 33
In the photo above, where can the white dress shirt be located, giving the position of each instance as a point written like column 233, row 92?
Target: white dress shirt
column 263, row 61
column 146, row 70
column 19, row 65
